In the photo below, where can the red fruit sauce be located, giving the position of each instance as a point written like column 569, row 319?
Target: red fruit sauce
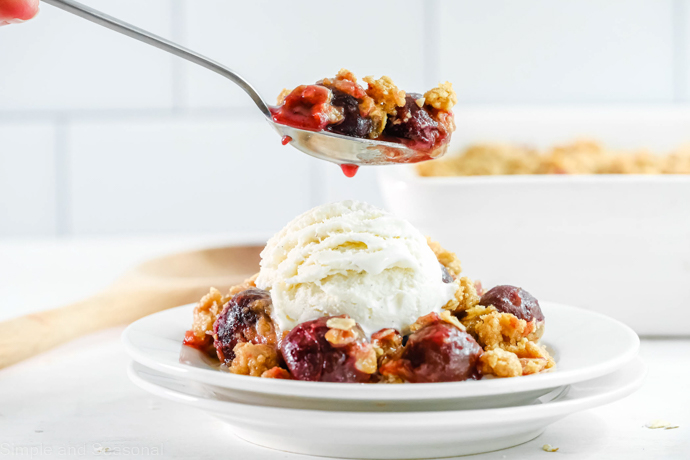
column 349, row 170
column 305, row 108
column 193, row 341
column 286, row 140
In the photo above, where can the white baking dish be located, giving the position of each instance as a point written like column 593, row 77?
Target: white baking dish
column 616, row 244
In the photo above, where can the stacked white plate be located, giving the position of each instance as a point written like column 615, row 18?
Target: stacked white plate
column 596, row 360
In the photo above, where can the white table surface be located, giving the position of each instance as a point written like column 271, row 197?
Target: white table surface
column 77, row 402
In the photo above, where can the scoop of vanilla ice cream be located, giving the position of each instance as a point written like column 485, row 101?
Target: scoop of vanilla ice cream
column 352, row 258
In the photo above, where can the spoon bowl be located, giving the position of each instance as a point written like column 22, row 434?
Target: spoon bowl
column 340, row 149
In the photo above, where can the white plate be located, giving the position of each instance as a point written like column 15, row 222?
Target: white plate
column 585, row 344
column 399, row 435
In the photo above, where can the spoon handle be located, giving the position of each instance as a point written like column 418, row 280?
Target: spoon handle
column 137, row 33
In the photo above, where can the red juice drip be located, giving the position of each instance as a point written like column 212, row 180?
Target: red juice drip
column 286, row 140
column 349, row 170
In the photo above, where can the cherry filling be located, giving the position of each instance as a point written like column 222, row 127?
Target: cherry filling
column 245, row 318
column 306, row 107
column 314, row 351
column 514, row 300
column 438, row 352
column 353, row 123
column 415, row 125
column 204, row 344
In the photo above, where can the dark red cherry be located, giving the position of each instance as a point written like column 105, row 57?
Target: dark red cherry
column 353, row 123
column 245, row 318
column 438, row 352
column 414, row 124
column 309, row 356
column 514, row 300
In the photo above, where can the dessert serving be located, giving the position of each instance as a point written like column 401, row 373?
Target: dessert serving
column 379, row 110
column 579, row 157
column 347, row 292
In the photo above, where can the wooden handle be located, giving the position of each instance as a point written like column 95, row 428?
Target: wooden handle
column 27, row 336
column 153, row 286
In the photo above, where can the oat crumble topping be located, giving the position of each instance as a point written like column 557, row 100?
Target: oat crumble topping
column 658, row 423
column 579, row 157
column 442, row 97
column 385, row 94
column 446, row 258
column 344, row 324
column 253, row 359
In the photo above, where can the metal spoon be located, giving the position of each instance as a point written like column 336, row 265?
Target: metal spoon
column 323, row 145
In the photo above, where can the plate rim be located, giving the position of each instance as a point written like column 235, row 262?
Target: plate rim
column 565, row 404
column 349, row 391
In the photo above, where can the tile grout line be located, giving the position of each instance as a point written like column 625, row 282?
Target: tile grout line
column 680, row 49
column 431, row 42
column 62, row 193
column 179, row 76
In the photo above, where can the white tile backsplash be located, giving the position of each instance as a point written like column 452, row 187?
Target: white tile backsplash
column 27, row 180
column 151, row 144
column 335, row 186
column 278, row 45
column 541, row 51
column 659, row 129
column 61, row 62
column 215, row 175
column 681, row 48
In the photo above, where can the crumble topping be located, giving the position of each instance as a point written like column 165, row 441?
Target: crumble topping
column 277, row 373
column 339, row 337
column 496, row 328
column 483, row 160
column 466, row 296
column 423, row 321
column 510, row 344
column 446, row 258
column 442, row 97
column 344, row 324
column 206, row 312
column 578, row 157
column 500, row 363
column 450, row 319
column 658, row 423
column 253, row 359
column 346, row 82
column 385, row 94
column 533, row 357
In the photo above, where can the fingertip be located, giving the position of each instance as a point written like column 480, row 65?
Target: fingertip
column 13, row 11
